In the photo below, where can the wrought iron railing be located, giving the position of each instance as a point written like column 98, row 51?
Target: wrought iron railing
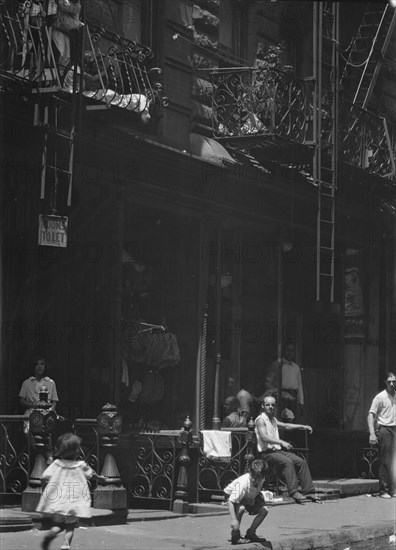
column 27, row 58
column 366, row 140
column 17, row 452
column 265, row 101
column 36, row 55
column 86, row 428
column 15, row 456
column 367, row 467
column 259, row 101
column 148, row 463
column 118, row 72
column 213, row 475
column 148, row 467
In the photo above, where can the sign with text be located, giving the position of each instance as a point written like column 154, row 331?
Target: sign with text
column 53, row 230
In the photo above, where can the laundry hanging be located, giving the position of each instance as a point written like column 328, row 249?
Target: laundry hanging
column 162, row 350
column 155, row 349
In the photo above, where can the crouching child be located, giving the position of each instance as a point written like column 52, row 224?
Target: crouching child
column 245, row 495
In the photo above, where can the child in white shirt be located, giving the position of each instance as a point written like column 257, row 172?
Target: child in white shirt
column 245, row 495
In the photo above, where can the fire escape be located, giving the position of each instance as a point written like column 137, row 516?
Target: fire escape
column 367, row 53
column 265, row 115
column 65, row 74
column 368, row 50
column 325, row 140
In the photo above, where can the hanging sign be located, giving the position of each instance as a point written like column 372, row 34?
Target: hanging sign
column 53, row 230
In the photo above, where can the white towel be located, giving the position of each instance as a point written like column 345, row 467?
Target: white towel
column 216, row 443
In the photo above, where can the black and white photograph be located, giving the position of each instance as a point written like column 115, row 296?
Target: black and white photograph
column 197, row 274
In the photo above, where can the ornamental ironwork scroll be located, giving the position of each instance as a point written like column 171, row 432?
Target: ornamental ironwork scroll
column 120, row 72
column 265, row 101
column 366, row 140
column 14, row 456
column 27, row 58
column 215, row 474
column 258, row 101
column 148, row 468
column 86, row 428
column 368, row 463
column 112, row 69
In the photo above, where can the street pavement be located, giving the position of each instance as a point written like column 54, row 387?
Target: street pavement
column 333, row 524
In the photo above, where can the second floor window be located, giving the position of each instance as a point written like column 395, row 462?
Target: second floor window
column 228, row 27
column 133, row 19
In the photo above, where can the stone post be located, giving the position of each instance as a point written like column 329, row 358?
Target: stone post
column 180, row 505
column 112, row 494
column 41, row 424
column 249, row 438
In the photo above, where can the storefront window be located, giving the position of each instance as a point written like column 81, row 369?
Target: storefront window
column 158, row 337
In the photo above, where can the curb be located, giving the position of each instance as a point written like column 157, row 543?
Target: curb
column 331, row 539
column 134, row 519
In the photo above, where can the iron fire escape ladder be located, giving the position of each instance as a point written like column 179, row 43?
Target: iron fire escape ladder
column 57, row 157
column 371, row 42
column 325, row 150
column 58, row 116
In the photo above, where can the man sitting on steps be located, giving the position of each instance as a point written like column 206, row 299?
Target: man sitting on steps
column 277, row 452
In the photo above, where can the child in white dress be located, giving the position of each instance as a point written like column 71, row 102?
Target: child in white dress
column 66, row 495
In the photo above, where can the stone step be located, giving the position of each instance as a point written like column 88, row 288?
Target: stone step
column 348, row 487
column 14, row 520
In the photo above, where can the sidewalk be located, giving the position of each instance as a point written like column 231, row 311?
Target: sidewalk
column 334, row 524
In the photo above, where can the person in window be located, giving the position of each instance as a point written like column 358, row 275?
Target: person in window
column 292, row 386
column 234, row 418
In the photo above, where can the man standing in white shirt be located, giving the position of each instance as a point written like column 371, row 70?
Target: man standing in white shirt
column 292, row 400
column 278, row 453
column 382, row 414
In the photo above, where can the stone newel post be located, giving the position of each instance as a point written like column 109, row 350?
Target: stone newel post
column 41, row 424
column 112, row 494
column 180, row 505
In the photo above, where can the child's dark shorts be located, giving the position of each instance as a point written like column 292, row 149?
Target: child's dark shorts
column 255, row 508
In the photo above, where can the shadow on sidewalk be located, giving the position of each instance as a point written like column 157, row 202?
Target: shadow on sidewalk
column 264, row 543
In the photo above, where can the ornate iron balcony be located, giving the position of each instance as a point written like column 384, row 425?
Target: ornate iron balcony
column 367, row 141
column 36, row 55
column 267, row 102
column 259, row 101
column 118, row 72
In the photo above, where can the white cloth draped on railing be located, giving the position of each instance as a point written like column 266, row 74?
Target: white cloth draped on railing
column 217, row 444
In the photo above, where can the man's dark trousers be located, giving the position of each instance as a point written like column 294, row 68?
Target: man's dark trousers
column 292, row 468
column 387, row 456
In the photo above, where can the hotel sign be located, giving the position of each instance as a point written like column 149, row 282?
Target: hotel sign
column 53, row 230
